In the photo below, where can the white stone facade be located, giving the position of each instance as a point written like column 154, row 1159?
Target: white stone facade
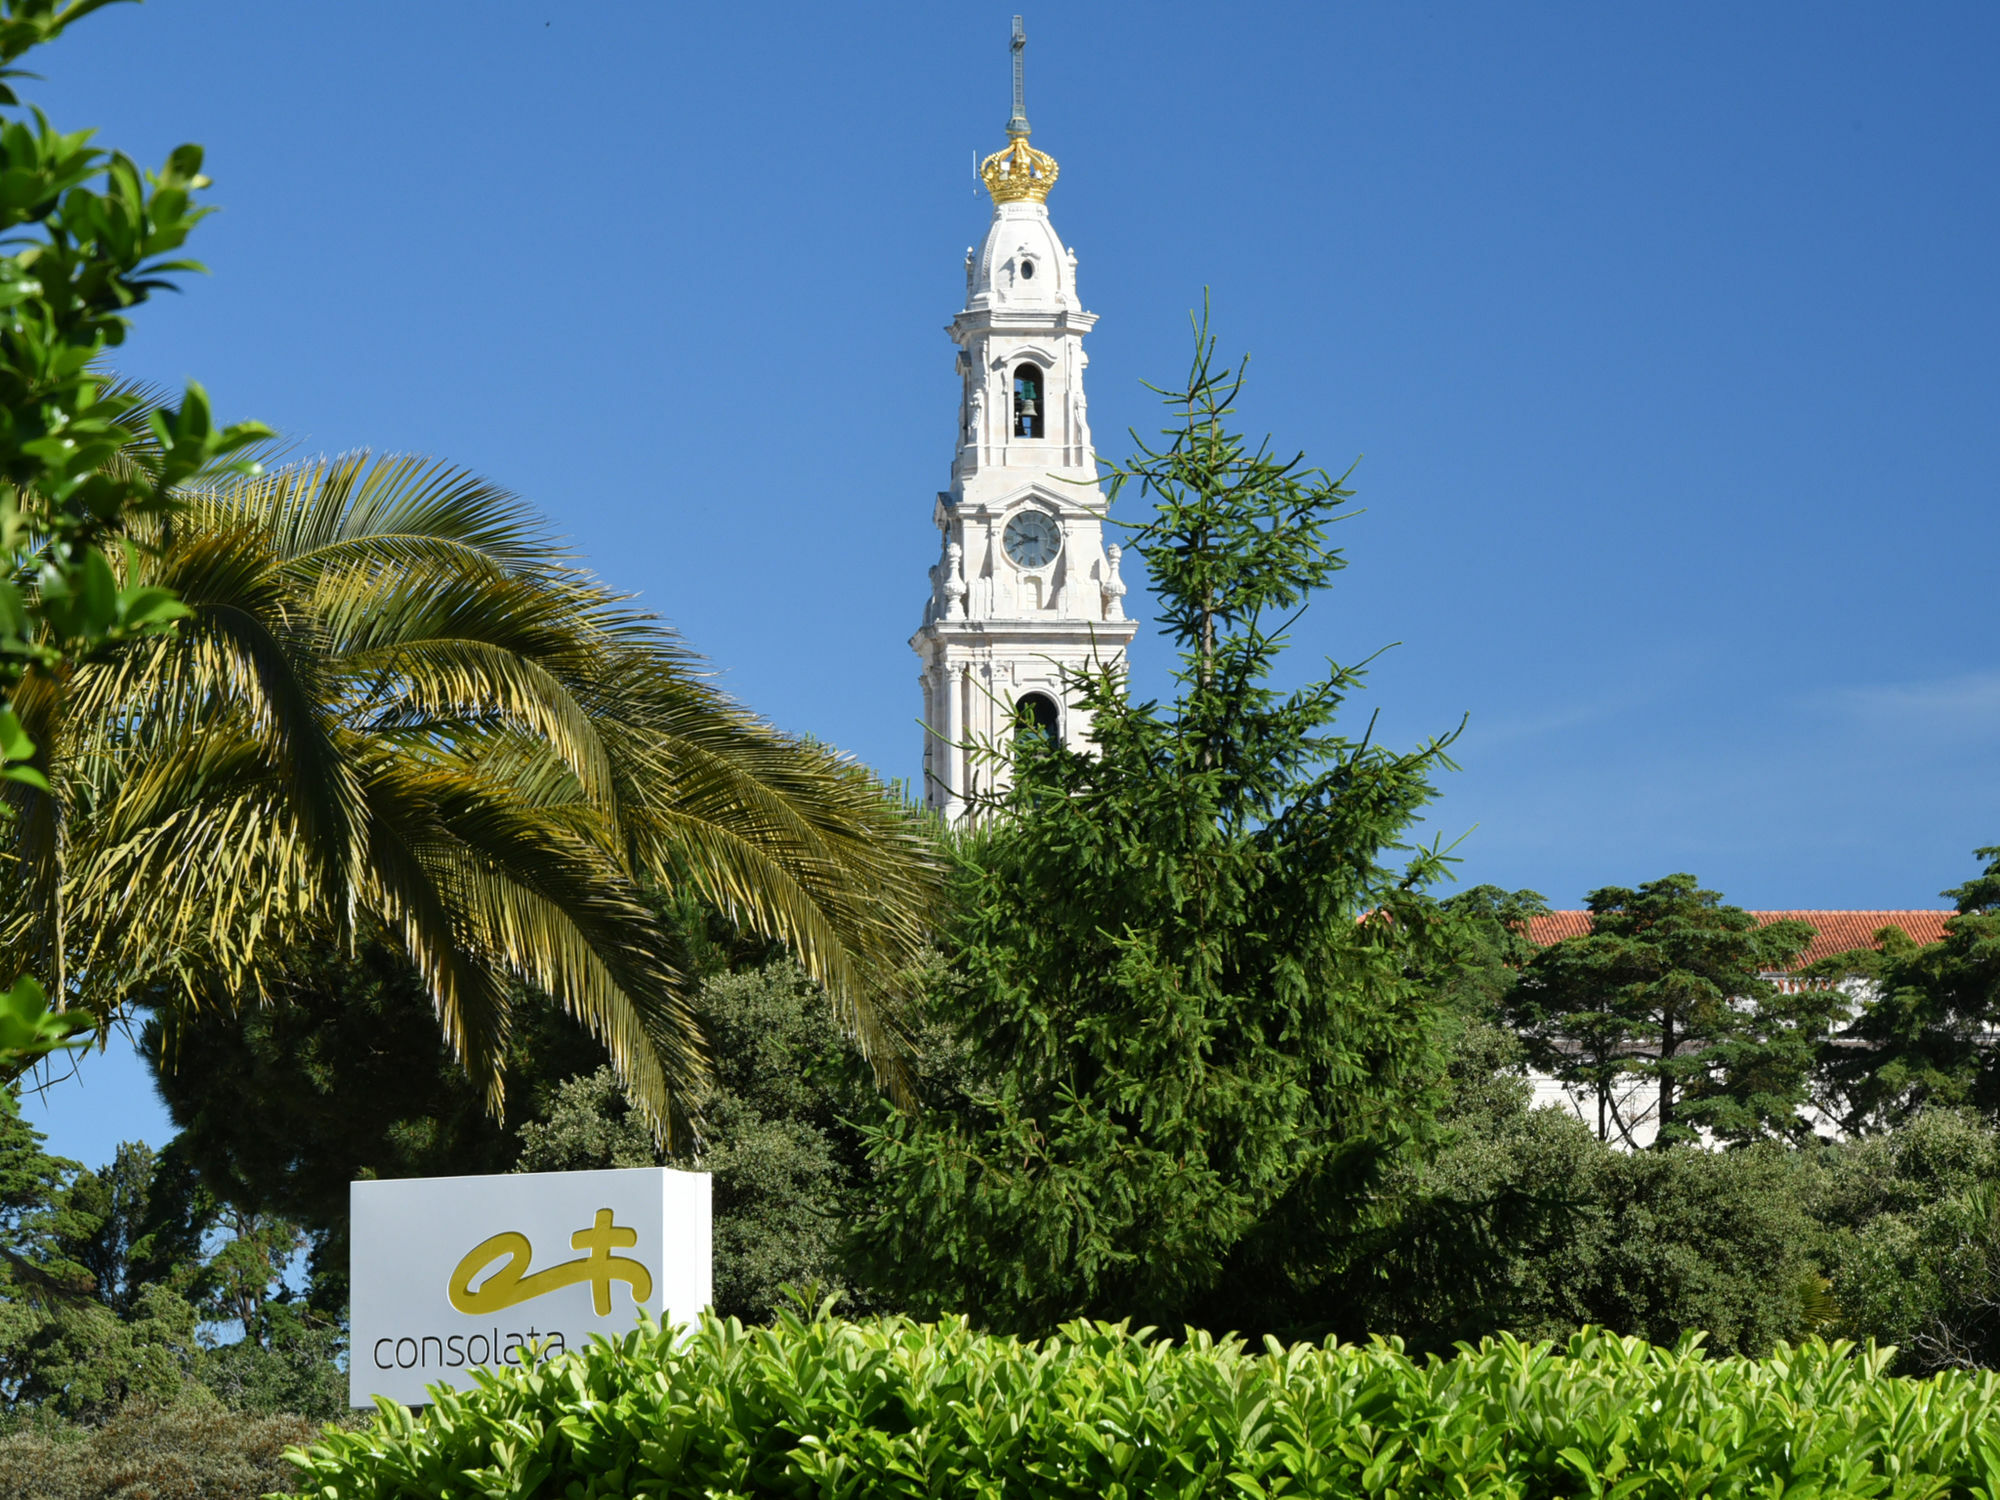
column 1025, row 585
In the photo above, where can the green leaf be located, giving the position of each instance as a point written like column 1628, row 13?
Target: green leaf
column 29, row 1029
column 26, row 775
column 14, row 741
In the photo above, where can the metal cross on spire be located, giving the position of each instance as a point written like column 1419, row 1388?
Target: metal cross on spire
column 1018, row 126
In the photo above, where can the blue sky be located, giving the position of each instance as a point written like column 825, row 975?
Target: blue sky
column 1668, row 339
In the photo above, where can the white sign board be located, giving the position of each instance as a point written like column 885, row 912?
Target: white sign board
column 453, row 1273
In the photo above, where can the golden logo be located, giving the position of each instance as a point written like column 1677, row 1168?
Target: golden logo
column 511, row 1283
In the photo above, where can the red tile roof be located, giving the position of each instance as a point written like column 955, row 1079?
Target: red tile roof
column 1835, row 931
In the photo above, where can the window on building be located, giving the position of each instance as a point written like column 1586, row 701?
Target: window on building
column 1036, row 713
column 1028, row 401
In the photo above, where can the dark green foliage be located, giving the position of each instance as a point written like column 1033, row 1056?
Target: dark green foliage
column 109, row 1274
column 1913, row 1251
column 1481, row 949
column 131, row 1224
column 895, row 1410
column 1484, row 947
column 788, row 1164
column 1496, row 1230
column 1668, row 988
column 80, row 1360
column 1927, row 1038
column 1697, row 1240
column 292, row 1366
column 189, row 1450
column 773, row 1134
column 80, row 1333
column 1181, row 961
column 342, row 1076
column 587, row 1125
column 778, row 1140
column 1531, row 1226
column 30, row 1182
column 1485, row 1079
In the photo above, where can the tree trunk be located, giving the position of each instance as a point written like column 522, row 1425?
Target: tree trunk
column 1668, row 1043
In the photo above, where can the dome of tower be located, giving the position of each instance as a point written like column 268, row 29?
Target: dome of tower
column 1022, row 265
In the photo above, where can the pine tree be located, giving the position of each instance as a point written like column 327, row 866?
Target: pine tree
column 1927, row 1036
column 1665, row 1001
column 1182, row 961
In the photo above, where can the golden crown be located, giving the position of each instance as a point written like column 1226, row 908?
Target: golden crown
column 1019, row 171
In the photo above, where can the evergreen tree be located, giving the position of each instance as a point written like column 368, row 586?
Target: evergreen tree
column 1182, row 964
column 1486, row 947
column 139, row 1221
column 80, row 1332
column 31, row 1182
column 1668, row 989
column 1926, row 1037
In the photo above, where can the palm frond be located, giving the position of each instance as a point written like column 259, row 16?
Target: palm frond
column 396, row 700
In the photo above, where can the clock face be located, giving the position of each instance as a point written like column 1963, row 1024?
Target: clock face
column 1033, row 539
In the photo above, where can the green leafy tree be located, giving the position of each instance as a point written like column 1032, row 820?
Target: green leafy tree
column 1912, row 1239
column 149, row 1220
column 1534, row 1227
column 30, row 1182
column 296, row 1366
column 1183, row 961
column 1925, row 1036
column 161, row 1250
column 82, row 1361
column 788, row 1166
column 88, row 236
column 121, row 1283
column 79, row 1332
column 134, row 1223
column 1668, row 991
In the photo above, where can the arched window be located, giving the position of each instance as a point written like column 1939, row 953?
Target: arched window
column 1036, row 713
column 1028, row 401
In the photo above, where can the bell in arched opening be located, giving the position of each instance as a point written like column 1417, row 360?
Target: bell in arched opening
column 1029, row 401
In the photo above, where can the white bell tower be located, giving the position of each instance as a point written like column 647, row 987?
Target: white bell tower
column 1025, row 585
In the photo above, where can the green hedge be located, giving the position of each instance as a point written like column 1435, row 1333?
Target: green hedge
column 826, row 1409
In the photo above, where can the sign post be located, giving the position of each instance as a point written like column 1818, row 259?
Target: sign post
column 453, row 1274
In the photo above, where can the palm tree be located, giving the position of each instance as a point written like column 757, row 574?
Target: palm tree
column 396, row 703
